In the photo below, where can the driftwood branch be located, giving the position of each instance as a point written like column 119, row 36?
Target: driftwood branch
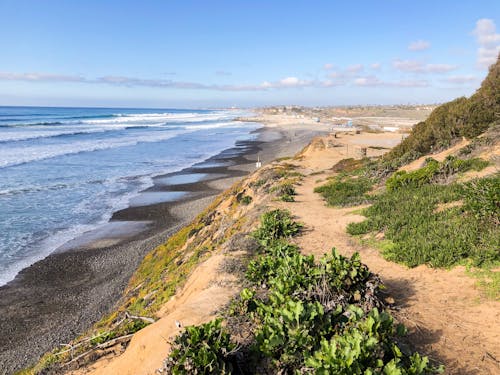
column 71, row 348
column 117, row 340
column 103, row 346
column 143, row 318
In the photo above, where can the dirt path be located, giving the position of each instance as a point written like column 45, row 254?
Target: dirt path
column 447, row 318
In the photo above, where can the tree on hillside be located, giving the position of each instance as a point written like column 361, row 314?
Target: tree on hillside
column 462, row 117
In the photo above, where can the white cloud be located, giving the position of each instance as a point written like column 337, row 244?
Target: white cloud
column 290, row 81
column 287, row 82
column 342, row 75
column 408, row 65
column 330, row 83
column 376, row 66
column 409, row 83
column 334, row 79
column 159, row 83
column 419, row 67
column 488, row 40
column 439, row 68
column 460, row 79
column 368, row 81
column 335, row 75
column 374, row 81
column 6, row 76
column 419, row 45
column 356, row 68
column 338, row 78
column 328, row 66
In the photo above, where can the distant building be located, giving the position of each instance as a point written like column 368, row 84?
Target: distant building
column 390, row 128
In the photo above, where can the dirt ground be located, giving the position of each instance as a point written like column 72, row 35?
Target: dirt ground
column 205, row 293
column 447, row 316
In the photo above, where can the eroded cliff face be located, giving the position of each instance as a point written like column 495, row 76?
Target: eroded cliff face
column 182, row 282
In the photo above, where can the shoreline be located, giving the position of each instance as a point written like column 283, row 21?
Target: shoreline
column 57, row 298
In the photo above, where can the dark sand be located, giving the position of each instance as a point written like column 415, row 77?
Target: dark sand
column 61, row 296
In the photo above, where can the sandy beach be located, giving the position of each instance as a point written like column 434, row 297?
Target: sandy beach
column 59, row 297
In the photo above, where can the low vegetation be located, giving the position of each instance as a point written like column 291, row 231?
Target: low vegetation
column 299, row 316
column 201, row 350
column 243, row 199
column 285, row 191
column 423, row 216
column 274, row 225
column 434, row 171
column 431, row 223
column 346, row 190
column 422, row 234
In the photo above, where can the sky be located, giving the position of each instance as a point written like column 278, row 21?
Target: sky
column 193, row 54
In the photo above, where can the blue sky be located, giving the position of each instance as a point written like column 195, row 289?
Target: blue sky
column 243, row 53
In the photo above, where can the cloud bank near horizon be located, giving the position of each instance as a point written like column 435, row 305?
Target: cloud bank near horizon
column 399, row 73
column 349, row 77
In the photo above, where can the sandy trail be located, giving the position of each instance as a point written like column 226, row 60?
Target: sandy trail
column 447, row 317
column 445, row 313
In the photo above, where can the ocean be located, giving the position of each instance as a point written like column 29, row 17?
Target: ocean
column 64, row 171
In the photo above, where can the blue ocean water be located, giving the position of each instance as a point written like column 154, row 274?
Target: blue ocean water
column 64, row 171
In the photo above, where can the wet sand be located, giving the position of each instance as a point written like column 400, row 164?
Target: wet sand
column 61, row 296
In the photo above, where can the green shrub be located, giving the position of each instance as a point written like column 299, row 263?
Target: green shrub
column 285, row 191
column 265, row 267
column 416, row 178
column 365, row 346
column 434, row 171
column 301, row 317
column 288, row 331
column 482, row 198
column 275, row 225
column 201, row 349
column 259, row 183
column 242, row 198
column 352, row 166
column 346, row 191
column 452, row 165
column 246, row 200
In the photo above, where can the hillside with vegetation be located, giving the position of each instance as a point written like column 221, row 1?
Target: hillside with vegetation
column 366, row 266
column 287, row 312
column 462, row 117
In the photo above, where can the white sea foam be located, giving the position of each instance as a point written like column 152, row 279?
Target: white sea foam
column 44, row 132
column 114, row 203
column 165, row 117
column 45, row 248
column 19, row 155
column 83, row 204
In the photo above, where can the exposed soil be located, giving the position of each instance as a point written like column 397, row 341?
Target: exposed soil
column 448, row 318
